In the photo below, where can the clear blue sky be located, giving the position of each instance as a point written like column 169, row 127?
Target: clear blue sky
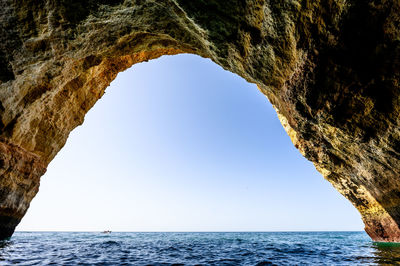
column 179, row 144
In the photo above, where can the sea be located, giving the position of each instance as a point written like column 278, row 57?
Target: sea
column 230, row 248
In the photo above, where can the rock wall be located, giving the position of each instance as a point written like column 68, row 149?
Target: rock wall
column 331, row 68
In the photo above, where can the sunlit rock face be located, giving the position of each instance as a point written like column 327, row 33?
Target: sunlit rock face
column 330, row 67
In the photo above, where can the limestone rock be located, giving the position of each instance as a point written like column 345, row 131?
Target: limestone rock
column 331, row 68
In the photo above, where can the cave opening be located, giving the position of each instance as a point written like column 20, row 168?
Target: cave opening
column 179, row 144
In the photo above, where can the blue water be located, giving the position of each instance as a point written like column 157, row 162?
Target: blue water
column 271, row 248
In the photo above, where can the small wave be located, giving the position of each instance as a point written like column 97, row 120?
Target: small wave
column 108, row 244
column 264, row 263
column 228, row 261
column 170, row 249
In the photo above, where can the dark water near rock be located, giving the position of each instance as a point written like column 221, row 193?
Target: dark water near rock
column 272, row 248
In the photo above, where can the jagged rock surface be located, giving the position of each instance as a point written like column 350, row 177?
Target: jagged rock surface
column 330, row 68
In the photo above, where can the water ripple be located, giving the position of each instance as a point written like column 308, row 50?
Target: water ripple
column 290, row 248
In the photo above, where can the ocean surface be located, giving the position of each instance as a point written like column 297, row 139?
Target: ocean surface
column 269, row 248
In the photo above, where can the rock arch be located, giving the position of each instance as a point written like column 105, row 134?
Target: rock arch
column 331, row 68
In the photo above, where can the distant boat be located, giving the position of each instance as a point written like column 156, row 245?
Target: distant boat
column 107, row 232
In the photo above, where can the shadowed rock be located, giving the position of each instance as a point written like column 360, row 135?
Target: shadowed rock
column 329, row 67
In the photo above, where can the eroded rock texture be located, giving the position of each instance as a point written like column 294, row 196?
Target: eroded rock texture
column 330, row 68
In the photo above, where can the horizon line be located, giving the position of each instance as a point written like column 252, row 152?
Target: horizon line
column 118, row 231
